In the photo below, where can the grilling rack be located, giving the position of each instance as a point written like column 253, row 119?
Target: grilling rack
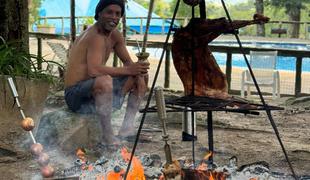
column 208, row 104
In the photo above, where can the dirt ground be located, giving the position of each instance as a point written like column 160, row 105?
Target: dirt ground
column 250, row 138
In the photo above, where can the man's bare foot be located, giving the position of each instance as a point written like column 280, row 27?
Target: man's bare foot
column 110, row 140
column 125, row 132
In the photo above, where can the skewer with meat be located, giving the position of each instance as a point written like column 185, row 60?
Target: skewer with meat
column 209, row 79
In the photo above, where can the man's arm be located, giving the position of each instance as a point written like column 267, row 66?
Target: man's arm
column 120, row 48
column 95, row 57
column 95, row 65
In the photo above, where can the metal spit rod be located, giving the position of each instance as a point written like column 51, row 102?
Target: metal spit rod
column 161, row 110
column 15, row 94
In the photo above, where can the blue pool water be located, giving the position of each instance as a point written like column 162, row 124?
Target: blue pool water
column 283, row 63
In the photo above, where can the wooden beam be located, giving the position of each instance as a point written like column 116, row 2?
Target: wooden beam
column 298, row 76
column 228, row 69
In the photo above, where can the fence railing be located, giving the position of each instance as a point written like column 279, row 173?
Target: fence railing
column 276, row 27
column 229, row 50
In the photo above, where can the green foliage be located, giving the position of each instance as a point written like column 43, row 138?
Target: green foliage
column 288, row 5
column 161, row 7
column 18, row 63
column 34, row 6
column 275, row 9
column 88, row 21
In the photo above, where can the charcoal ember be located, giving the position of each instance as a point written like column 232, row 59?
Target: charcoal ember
column 102, row 160
column 117, row 169
column 79, row 162
column 152, row 172
column 261, row 166
column 146, row 160
column 156, row 160
column 75, row 170
column 151, row 160
column 233, row 161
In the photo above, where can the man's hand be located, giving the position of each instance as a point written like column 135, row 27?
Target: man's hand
column 138, row 68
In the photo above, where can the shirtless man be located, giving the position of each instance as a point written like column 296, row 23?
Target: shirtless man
column 91, row 86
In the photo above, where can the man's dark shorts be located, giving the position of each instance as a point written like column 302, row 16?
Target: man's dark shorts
column 79, row 97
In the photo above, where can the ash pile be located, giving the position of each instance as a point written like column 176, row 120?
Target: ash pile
column 150, row 166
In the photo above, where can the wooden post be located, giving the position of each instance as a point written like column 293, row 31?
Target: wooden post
column 228, row 69
column 39, row 53
column 167, row 69
column 62, row 26
column 72, row 20
column 163, row 26
column 298, row 76
column 141, row 26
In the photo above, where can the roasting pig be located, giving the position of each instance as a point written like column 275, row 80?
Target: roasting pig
column 193, row 40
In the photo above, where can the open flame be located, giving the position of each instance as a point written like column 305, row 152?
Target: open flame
column 136, row 172
column 201, row 172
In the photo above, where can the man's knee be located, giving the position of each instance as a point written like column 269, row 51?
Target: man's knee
column 103, row 84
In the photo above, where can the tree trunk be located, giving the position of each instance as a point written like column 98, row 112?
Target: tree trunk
column 260, row 28
column 294, row 15
column 14, row 22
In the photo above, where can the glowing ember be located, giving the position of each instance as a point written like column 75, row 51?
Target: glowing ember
column 81, row 154
column 202, row 172
column 112, row 168
column 137, row 171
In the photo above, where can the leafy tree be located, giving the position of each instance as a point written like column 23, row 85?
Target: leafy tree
column 161, row 7
column 293, row 10
column 34, row 6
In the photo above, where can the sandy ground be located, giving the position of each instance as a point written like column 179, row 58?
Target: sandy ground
column 250, row 138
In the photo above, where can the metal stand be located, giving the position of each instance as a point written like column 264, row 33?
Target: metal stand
column 193, row 104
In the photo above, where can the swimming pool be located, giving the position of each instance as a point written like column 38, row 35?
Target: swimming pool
column 283, row 62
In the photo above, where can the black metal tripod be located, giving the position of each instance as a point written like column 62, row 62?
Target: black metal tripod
column 264, row 106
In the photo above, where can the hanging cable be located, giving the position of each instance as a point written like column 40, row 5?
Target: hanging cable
column 152, row 89
column 266, row 107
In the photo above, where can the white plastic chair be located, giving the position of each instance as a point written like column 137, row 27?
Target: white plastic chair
column 263, row 64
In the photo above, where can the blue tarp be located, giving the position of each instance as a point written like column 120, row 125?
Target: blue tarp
column 61, row 8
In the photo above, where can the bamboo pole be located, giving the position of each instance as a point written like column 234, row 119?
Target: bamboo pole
column 72, row 21
column 149, row 17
